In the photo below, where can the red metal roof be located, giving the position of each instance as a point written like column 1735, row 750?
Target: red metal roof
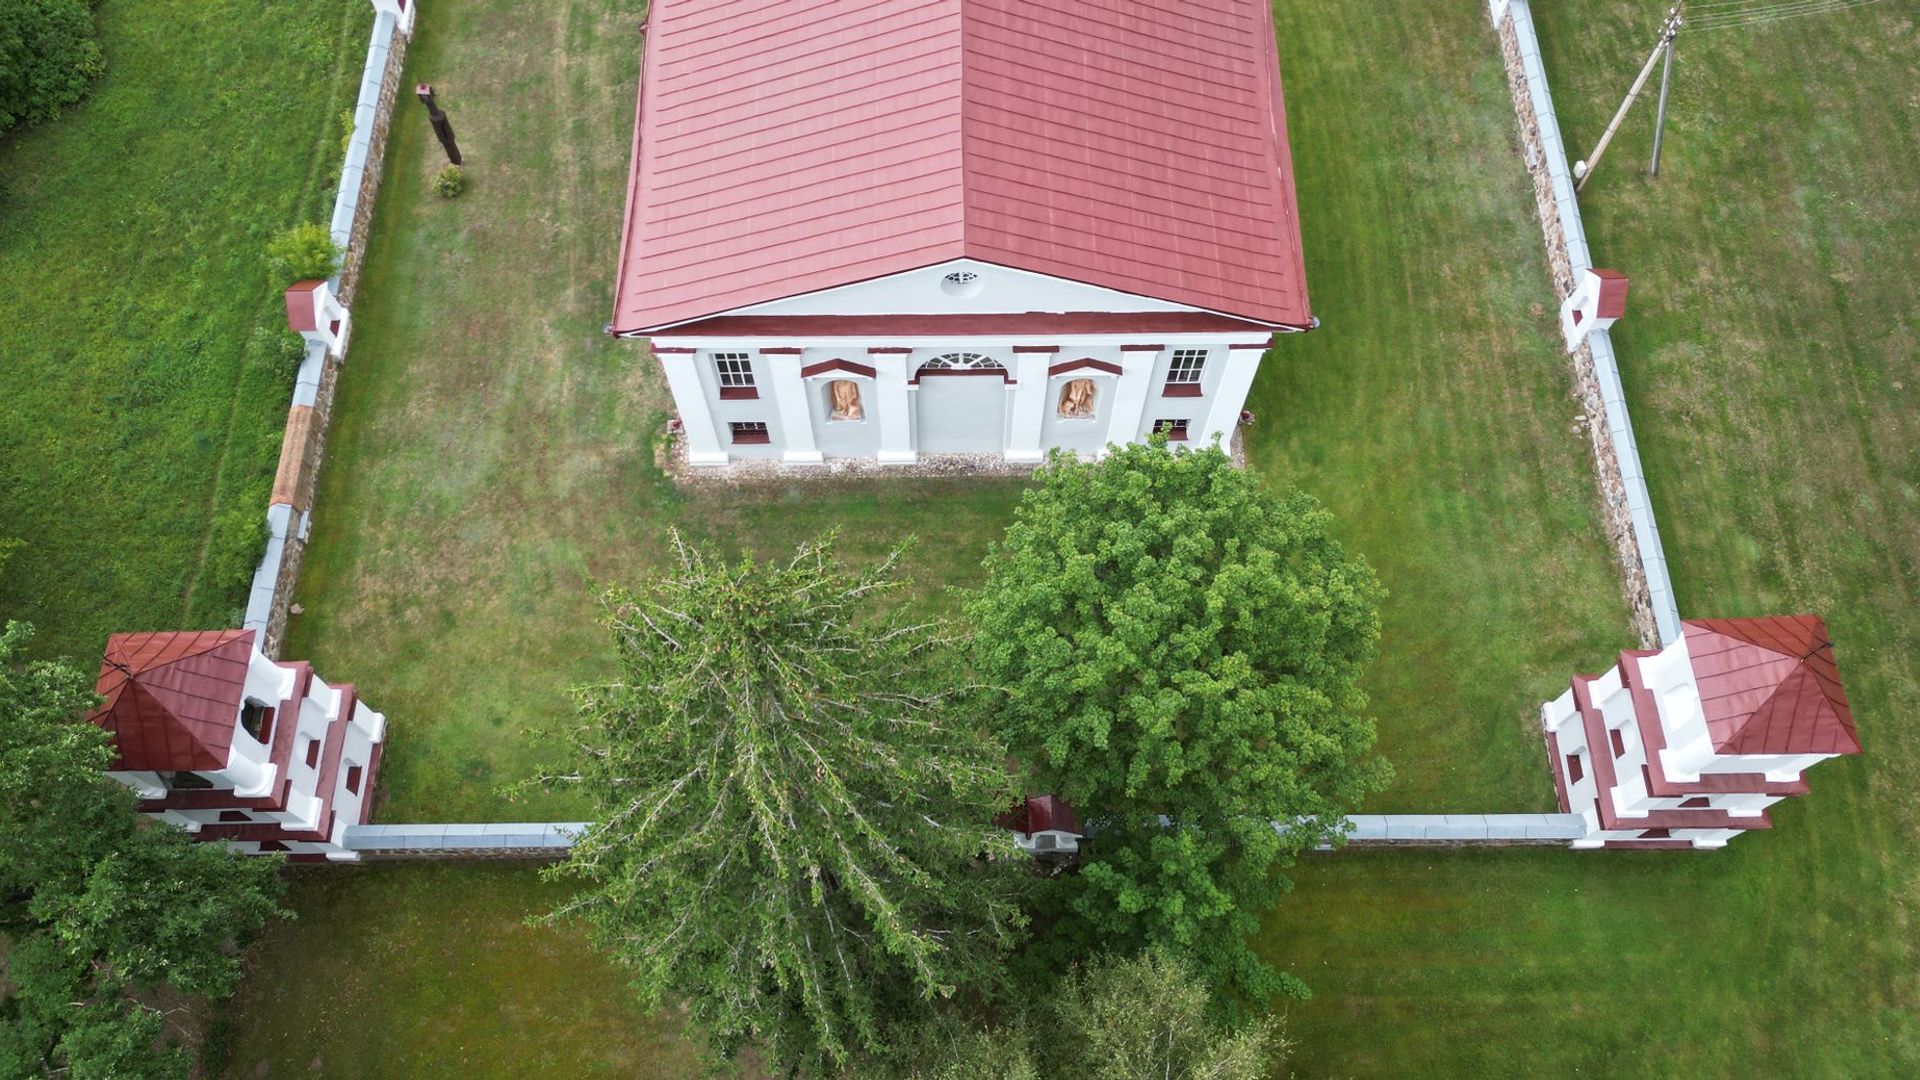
column 1612, row 301
column 1040, row 813
column 784, row 148
column 1770, row 686
column 300, row 313
column 172, row 699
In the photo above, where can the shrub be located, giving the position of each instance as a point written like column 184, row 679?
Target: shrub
column 451, row 182
column 47, row 58
column 346, row 132
column 300, row 253
column 239, row 540
column 277, row 350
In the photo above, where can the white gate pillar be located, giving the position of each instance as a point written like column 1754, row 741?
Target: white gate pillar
column 1029, row 405
column 796, row 412
column 317, row 315
column 894, row 406
column 401, row 10
column 696, row 416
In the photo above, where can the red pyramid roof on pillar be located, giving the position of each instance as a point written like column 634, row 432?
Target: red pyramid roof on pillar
column 785, row 148
column 1612, row 301
column 301, row 316
column 172, row 699
column 1770, row 686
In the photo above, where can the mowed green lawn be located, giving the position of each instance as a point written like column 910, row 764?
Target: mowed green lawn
column 493, row 454
column 1769, row 353
column 131, row 277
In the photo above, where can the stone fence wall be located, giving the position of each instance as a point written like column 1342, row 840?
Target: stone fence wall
column 290, row 512
column 552, row 840
column 1626, row 508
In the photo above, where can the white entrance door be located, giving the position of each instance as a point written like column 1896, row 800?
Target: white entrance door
column 962, row 406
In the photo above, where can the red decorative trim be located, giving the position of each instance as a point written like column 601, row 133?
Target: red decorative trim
column 1183, row 389
column 1141, row 348
column 752, row 438
column 948, row 373
column 889, row 351
column 1036, row 348
column 1085, row 363
column 1031, row 325
column 1263, row 346
column 739, row 393
column 782, row 351
column 672, row 350
column 836, row 364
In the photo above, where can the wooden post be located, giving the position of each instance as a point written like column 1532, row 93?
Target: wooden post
column 442, row 127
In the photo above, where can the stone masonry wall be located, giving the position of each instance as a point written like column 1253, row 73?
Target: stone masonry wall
column 1615, row 506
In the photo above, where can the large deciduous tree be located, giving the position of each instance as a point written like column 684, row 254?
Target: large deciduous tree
column 793, row 806
column 1181, row 649
column 100, row 909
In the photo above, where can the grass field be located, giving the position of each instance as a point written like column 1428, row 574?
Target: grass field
column 131, row 277
column 1769, row 353
column 492, row 457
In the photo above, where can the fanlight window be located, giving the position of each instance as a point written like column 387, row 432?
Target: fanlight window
column 963, row 361
column 843, row 401
column 1076, row 399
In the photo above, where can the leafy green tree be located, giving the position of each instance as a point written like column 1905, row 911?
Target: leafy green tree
column 1181, row 649
column 48, row 57
column 1146, row 1017
column 793, row 806
column 100, row 907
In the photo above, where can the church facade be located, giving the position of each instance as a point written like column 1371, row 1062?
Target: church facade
column 886, row 230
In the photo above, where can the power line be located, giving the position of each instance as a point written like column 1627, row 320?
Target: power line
column 1738, row 15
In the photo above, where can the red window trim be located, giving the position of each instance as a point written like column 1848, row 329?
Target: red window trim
column 1183, row 389
column 752, row 438
column 739, row 393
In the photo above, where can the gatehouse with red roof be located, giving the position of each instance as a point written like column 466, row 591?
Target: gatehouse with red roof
column 885, row 229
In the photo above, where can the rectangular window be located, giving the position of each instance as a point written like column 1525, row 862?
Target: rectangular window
column 234, row 815
column 256, row 720
column 353, row 779
column 1575, row 771
column 749, row 433
column 1174, row 430
column 735, row 372
column 313, row 753
column 185, row 781
column 1619, row 742
column 1698, row 802
column 1184, row 372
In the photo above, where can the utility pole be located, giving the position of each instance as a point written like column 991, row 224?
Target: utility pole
column 1666, row 81
column 1583, row 170
column 442, row 127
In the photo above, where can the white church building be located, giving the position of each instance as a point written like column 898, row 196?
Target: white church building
column 234, row 747
column 883, row 229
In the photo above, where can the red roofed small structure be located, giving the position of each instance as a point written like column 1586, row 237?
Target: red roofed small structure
column 220, row 740
column 170, row 699
column 815, row 183
column 1687, row 746
column 1043, row 823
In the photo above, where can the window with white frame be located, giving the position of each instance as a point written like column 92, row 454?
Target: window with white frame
column 1174, row 429
column 1184, row 372
column 735, row 373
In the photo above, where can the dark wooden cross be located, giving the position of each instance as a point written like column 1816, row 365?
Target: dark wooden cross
column 442, row 127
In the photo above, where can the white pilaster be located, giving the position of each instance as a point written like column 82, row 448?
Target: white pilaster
column 796, row 413
column 1029, row 406
column 401, row 10
column 696, row 415
column 1130, row 392
column 1231, row 395
column 894, row 408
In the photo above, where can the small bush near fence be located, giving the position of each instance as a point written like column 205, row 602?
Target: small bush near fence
column 48, row 58
column 278, row 351
column 451, row 182
column 237, row 543
column 301, row 253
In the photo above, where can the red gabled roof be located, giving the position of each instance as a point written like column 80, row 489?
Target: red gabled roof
column 172, row 699
column 1770, row 686
column 783, row 148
